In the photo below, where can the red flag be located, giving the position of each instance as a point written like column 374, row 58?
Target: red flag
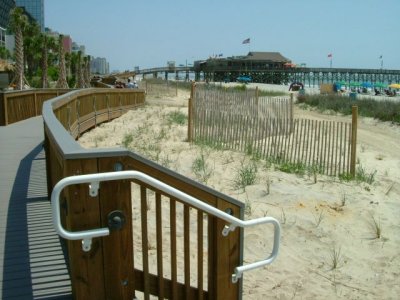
column 246, row 41
column 330, row 55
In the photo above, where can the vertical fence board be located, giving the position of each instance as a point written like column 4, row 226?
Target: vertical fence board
column 200, row 273
column 160, row 271
column 172, row 209
column 118, row 246
column 86, row 268
column 186, row 243
column 145, row 242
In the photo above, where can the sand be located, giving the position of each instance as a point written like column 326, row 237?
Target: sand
column 318, row 219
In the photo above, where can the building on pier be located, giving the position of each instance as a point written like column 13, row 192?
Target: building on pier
column 229, row 68
column 272, row 67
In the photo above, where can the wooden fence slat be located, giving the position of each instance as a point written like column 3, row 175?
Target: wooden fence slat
column 341, row 149
column 160, row 271
column 173, row 248
column 329, row 137
column 145, row 242
column 200, row 256
column 313, row 159
column 309, row 142
column 186, row 243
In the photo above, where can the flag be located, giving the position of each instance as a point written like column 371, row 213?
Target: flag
column 220, row 55
column 330, row 55
column 246, row 41
column 380, row 57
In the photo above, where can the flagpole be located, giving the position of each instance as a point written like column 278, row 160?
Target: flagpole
column 247, row 41
column 330, row 56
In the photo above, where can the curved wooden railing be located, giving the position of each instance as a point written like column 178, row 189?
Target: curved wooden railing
column 16, row 106
column 111, row 270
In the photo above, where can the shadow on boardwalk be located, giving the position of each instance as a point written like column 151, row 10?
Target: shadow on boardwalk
column 34, row 261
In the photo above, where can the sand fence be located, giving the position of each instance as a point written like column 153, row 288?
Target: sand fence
column 266, row 128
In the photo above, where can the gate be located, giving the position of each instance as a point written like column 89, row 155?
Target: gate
column 128, row 279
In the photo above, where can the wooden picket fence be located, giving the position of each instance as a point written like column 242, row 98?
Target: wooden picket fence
column 266, row 127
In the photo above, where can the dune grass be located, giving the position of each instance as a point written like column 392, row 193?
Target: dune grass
column 384, row 110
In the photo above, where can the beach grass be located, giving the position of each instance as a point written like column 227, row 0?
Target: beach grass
column 383, row 110
column 246, row 175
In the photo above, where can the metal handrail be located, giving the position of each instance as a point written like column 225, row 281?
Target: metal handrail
column 95, row 179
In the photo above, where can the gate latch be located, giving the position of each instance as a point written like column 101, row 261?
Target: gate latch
column 116, row 220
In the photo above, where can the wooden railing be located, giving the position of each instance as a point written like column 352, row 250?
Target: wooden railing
column 169, row 250
column 16, row 106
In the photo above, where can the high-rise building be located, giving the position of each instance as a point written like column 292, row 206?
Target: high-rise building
column 76, row 48
column 35, row 8
column 99, row 65
column 67, row 43
column 5, row 7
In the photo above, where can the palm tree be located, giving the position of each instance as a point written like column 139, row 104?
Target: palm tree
column 45, row 81
column 33, row 46
column 4, row 53
column 18, row 21
column 71, row 60
column 80, row 80
column 86, row 73
column 62, row 75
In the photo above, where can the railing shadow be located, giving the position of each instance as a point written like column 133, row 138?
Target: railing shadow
column 34, row 259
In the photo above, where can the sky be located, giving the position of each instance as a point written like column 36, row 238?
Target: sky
column 149, row 33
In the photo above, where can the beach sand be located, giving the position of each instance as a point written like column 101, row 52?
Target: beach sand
column 329, row 247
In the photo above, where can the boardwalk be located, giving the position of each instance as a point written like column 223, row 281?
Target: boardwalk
column 32, row 261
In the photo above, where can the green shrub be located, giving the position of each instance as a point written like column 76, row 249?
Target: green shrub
column 177, row 117
column 247, row 175
column 361, row 176
column 201, row 168
column 384, row 110
column 298, row 168
column 127, row 139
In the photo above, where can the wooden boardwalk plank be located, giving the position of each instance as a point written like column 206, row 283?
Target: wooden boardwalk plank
column 32, row 259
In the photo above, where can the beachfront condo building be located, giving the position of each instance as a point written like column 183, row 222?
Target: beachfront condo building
column 5, row 7
column 35, row 8
column 99, row 65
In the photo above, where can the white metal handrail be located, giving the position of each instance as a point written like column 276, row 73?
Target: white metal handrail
column 94, row 180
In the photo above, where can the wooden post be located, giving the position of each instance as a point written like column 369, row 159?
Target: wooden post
column 86, row 268
column 35, row 104
column 190, row 114
column 291, row 113
column 117, row 250
column 354, row 122
column 5, row 109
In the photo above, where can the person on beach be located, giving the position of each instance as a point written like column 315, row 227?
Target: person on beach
column 130, row 84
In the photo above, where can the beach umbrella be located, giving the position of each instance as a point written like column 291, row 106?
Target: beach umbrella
column 366, row 85
column 380, row 85
column 342, row 82
column 353, row 83
column 394, row 85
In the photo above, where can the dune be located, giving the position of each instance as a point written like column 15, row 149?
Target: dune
column 340, row 240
